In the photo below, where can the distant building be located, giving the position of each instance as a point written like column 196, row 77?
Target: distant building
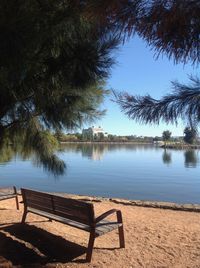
column 94, row 131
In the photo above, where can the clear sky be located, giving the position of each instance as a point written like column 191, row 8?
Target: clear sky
column 139, row 72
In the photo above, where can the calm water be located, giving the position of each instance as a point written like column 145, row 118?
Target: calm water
column 125, row 171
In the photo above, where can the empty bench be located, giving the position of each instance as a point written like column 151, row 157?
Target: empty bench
column 72, row 212
column 8, row 194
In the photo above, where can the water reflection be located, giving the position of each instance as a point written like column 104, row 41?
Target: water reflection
column 167, row 157
column 97, row 152
column 10, row 152
column 6, row 155
column 191, row 158
column 143, row 172
column 91, row 151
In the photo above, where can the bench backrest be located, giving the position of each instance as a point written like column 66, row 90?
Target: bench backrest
column 8, row 191
column 68, row 208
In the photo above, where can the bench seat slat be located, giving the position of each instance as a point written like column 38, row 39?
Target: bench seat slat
column 63, row 206
column 7, row 194
column 40, row 206
column 71, row 217
column 105, row 226
column 47, row 203
column 65, row 212
column 4, row 197
column 61, row 219
column 68, row 210
column 58, row 199
column 60, row 211
column 73, row 202
column 35, row 193
column 101, row 228
column 39, row 198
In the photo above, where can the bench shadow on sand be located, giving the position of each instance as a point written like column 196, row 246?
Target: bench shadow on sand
column 24, row 244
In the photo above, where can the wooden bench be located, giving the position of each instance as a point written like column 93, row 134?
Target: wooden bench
column 72, row 212
column 8, row 194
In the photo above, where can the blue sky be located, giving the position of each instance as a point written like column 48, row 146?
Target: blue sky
column 139, row 72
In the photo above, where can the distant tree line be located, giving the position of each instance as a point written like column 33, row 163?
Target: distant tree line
column 190, row 137
column 76, row 137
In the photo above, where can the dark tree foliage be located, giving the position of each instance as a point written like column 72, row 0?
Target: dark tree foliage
column 52, row 62
column 190, row 135
column 166, row 135
column 171, row 27
column 183, row 103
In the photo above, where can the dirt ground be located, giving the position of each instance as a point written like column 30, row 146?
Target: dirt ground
column 154, row 238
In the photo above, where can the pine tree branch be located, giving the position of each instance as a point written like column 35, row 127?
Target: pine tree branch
column 183, row 103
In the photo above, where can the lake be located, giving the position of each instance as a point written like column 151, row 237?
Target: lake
column 143, row 172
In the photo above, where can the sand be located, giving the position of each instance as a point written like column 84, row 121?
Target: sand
column 154, row 238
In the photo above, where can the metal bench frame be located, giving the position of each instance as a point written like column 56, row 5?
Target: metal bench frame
column 8, row 195
column 72, row 212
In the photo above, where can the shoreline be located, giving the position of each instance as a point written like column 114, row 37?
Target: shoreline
column 167, row 146
column 190, row 207
column 164, row 147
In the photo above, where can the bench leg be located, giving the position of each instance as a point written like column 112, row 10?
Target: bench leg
column 16, row 198
column 90, row 246
column 121, row 230
column 24, row 216
column 121, row 237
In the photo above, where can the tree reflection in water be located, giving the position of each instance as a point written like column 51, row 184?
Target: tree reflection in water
column 96, row 151
column 191, row 158
column 53, row 165
column 167, row 157
column 88, row 150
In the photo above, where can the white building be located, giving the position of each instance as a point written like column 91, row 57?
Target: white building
column 94, row 131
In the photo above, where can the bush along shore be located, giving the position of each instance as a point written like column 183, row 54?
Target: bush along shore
column 180, row 146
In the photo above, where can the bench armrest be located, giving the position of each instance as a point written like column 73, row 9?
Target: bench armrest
column 109, row 212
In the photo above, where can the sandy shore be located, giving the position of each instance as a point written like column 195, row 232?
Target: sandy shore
column 154, row 238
